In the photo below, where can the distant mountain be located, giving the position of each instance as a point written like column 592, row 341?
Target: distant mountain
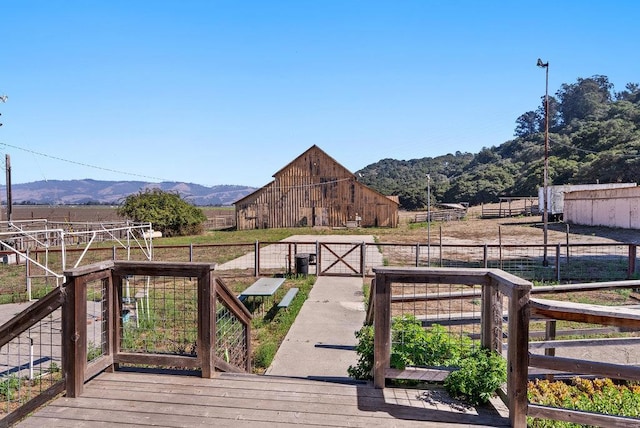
column 74, row 192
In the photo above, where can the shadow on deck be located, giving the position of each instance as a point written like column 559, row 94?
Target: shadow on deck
column 135, row 398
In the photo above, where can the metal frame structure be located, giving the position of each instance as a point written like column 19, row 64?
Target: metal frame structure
column 21, row 237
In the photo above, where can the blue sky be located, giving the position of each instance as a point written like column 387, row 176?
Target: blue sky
column 228, row 92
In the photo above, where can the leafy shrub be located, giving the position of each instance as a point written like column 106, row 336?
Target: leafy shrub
column 412, row 345
column 481, row 372
column 166, row 211
column 479, row 376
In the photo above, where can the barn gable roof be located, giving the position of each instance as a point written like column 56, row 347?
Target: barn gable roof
column 303, row 154
column 393, row 199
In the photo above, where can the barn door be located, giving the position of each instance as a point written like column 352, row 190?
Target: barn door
column 320, row 216
column 340, row 259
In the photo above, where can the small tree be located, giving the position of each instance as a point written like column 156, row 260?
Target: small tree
column 166, row 211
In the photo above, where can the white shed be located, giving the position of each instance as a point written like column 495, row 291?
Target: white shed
column 604, row 207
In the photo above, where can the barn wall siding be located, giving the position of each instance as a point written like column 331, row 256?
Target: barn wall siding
column 607, row 207
column 315, row 190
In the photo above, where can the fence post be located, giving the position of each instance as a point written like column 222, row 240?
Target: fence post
column 318, row 266
column 363, row 259
column 491, row 317
column 113, row 253
column 518, row 356
column 27, row 271
column 485, row 256
column 558, row 262
column 417, row 254
column 74, row 336
column 191, row 252
column 207, row 323
column 256, row 261
column 382, row 329
column 440, row 246
column 631, row 270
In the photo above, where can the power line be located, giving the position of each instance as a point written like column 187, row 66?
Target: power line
column 84, row 164
column 593, row 152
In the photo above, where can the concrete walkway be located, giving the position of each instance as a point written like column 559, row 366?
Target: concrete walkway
column 320, row 343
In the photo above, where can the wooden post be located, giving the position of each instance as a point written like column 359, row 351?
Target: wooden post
column 518, row 357
column 363, row 259
column 631, row 270
column 74, row 335
column 417, row 254
column 191, row 251
column 491, row 318
column 440, row 246
column 485, row 255
column 382, row 330
column 558, row 262
column 256, row 261
column 207, row 323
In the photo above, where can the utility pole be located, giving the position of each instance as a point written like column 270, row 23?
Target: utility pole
column 9, row 200
column 545, row 183
column 4, row 99
column 428, row 220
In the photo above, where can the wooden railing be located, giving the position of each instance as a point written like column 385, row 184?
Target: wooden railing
column 213, row 301
column 114, row 313
column 495, row 284
column 521, row 311
column 627, row 318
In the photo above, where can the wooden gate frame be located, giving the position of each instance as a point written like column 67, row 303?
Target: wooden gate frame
column 340, row 259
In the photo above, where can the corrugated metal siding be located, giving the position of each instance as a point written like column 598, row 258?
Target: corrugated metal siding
column 315, row 190
column 607, row 207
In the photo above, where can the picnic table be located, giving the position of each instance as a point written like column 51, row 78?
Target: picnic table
column 263, row 287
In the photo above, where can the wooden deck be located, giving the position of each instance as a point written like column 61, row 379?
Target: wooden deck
column 237, row 400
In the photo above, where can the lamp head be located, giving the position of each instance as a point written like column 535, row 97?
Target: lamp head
column 542, row 64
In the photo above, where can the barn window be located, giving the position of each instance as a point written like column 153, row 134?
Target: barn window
column 353, row 193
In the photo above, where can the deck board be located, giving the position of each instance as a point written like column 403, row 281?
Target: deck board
column 143, row 399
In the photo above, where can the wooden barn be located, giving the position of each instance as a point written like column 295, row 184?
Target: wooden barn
column 315, row 190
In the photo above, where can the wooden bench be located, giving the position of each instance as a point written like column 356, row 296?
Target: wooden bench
column 288, row 298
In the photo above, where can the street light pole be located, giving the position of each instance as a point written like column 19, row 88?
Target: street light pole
column 545, row 182
column 428, row 220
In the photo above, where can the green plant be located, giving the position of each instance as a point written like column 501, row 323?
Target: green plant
column 598, row 395
column 93, row 351
column 9, row 385
column 167, row 212
column 264, row 354
column 412, row 345
column 479, row 376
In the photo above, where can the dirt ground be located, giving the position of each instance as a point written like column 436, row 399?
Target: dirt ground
column 513, row 230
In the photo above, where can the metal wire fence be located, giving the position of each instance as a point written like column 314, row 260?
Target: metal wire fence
column 160, row 315
column 31, row 363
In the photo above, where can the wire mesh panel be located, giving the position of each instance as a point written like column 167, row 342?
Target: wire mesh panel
column 159, row 315
column 393, row 254
column 527, row 262
column 276, row 258
column 449, row 312
column 467, row 256
column 231, row 336
column 97, row 318
column 31, row 363
column 594, row 262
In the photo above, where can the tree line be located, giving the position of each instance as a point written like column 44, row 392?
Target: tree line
column 594, row 136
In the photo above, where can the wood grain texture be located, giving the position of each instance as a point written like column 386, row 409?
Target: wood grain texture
column 122, row 398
